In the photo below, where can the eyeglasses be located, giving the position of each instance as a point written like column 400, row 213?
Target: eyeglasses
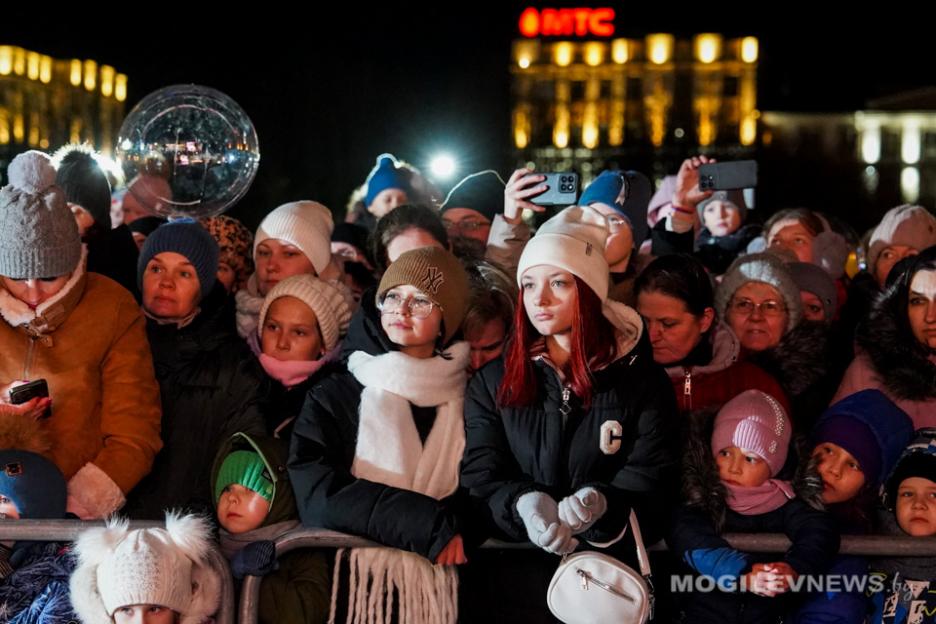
column 417, row 306
column 466, row 225
column 746, row 307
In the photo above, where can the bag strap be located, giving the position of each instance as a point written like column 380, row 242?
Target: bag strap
column 643, row 561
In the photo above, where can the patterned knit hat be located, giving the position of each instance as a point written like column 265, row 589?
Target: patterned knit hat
column 754, row 421
column 439, row 275
column 166, row 567
column 38, row 233
column 331, row 308
column 235, row 246
column 186, row 238
column 760, row 267
column 306, row 224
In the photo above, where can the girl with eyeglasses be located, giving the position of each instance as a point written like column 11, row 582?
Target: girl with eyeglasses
column 376, row 449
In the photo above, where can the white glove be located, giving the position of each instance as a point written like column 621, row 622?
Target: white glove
column 540, row 516
column 582, row 510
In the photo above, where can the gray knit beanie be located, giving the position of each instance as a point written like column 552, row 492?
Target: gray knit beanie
column 186, row 238
column 760, row 267
column 38, row 233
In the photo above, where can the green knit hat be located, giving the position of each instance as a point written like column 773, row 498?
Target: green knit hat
column 245, row 468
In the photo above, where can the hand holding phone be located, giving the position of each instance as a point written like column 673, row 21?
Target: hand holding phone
column 523, row 184
column 33, row 396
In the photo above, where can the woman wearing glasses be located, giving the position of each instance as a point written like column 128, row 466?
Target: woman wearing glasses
column 376, row 449
column 575, row 426
column 700, row 352
column 761, row 303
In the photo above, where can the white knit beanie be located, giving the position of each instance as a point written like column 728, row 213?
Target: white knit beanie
column 306, row 224
column 166, row 567
column 330, row 307
column 572, row 240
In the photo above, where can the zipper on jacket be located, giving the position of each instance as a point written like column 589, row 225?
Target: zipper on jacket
column 29, row 356
column 565, row 408
column 588, row 578
column 687, row 389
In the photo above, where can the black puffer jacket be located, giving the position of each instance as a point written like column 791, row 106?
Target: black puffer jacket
column 321, row 454
column 208, row 381
column 696, row 535
column 512, row 451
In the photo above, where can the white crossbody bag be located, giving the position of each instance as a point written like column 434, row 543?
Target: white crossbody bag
column 594, row 588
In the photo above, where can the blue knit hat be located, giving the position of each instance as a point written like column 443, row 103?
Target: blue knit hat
column 386, row 174
column 34, row 484
column 869, row 426
column 184, row 237
column 628, row 192
column 917, row 460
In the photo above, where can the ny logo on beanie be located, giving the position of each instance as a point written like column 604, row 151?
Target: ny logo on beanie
column 434, row 279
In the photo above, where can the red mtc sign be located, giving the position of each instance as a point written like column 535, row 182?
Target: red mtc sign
column 567, row 22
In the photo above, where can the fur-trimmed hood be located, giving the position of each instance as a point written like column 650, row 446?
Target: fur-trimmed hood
column 800, row 360
column 906, row 368
column 701, row 487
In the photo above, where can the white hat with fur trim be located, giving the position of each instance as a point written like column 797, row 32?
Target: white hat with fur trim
column 167, row 567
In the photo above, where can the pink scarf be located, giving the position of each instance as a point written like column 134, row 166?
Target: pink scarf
column 764, row 498
column 291, row 373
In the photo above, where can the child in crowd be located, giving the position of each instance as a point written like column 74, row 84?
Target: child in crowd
column 301, row 322
column 748, row 446
column 35, row 574
column 255, row 505
column 158, row 576
column 855, row 445
column 910, row 496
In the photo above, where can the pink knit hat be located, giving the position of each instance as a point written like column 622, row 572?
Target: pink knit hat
column 754, row 421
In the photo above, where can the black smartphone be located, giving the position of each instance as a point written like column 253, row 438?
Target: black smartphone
column 728, row 176
column 31, row 390
column 561, row 189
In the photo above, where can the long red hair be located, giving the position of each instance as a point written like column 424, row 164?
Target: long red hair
column 593, row 341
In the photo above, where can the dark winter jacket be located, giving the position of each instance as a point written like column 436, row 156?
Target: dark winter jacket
column 322, row 451
column 891, row 359
column 37, row 591
column 298, row 591
column 515, row 450
column 281, row 405
column 720, row 376
column 696, row 536
column 208, row 381
column 715, row 252
column 801, row 364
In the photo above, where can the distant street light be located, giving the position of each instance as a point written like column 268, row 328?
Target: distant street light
column 442, row 166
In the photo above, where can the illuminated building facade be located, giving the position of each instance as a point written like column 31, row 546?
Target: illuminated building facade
column 584, row 97
column 47, row 102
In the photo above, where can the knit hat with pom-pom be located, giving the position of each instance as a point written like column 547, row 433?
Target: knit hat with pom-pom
column 38, row 233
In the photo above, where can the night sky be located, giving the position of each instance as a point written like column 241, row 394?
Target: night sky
column 329, row 92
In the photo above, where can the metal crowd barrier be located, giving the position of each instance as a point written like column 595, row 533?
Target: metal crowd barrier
column 864, row 545
column 68, row 531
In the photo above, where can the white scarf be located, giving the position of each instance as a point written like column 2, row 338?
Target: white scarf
column 390, row 451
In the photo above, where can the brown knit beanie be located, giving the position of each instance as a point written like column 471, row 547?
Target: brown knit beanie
column 439, row 275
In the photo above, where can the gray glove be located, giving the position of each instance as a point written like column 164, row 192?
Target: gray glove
column 540, row 516
column 582, row 510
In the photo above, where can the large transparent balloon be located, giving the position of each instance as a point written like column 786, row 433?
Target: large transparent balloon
column 188, row 150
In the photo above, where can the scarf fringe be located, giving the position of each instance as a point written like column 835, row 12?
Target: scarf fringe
column 384, row 582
